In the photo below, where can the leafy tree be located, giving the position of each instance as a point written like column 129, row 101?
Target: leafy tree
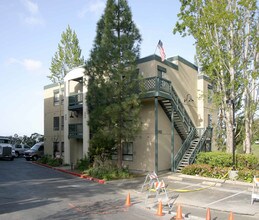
column 31, row 140
column 67, row 57
column 226, row 34
column 113, row 102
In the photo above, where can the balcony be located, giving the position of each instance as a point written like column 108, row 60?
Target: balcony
column 75, row 101
column 157, row 87
column 75, row 131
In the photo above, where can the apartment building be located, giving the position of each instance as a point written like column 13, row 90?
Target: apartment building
column 177, row 116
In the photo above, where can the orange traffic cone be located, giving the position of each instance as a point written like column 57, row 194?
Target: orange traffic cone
column 208, row 216
column 231, row 216
column 179, row 214
column 128, row 200
column 160, row 209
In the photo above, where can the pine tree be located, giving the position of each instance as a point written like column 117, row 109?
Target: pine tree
column 112, row 99
column 67, row 57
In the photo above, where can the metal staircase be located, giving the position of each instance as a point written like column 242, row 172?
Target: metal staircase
column 193, row 140
column 186, row 157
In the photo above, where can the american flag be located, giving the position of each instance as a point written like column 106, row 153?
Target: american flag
column 161, row 49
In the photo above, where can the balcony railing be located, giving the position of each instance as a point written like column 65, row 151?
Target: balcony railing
column 75, row 101
column 157, row 86
column 75, row 131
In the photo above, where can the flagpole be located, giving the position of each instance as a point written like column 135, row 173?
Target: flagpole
column 155, row 49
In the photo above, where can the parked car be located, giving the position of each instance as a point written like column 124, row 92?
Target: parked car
column 35, row 152
column 6, row 149
column 20, row 149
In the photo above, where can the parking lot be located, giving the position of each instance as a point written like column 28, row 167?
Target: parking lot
column 196, row 194
column 32, row 191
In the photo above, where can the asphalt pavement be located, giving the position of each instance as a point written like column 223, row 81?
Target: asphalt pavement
column 193, row 194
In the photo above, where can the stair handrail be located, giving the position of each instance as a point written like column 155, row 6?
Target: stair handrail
column 180, row 108
column 184, row 147
column 206, row 134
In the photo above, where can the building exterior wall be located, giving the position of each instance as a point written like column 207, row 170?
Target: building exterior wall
column 189, row 86
column 50, row 111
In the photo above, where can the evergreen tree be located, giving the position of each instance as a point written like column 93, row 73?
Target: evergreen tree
column 67, row 57
column 113, row 101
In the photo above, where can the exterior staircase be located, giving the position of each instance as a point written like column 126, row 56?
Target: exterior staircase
column 194, row 140
column 186, row 158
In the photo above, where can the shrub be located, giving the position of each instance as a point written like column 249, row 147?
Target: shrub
column 83, row 164
column 218, row 164
column 44, row 159
column 222, row 159
column 215, row 159
column 54, row 162
column 206, row 170
column 249, row 161
column 247, row 175
column 108, row 173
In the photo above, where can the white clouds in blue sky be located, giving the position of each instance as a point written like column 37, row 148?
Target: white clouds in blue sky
column 92, row 6
column 31, row 15
column 31, row 31
column 28, row 64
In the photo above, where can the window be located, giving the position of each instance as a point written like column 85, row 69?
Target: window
column 62, row 123
column 56, row 123
column 56, row 97
column 127, row 151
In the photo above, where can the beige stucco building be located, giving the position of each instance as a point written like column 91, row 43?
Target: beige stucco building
column 177, row 116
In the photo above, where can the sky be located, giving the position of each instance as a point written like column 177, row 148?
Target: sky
column 31, row 31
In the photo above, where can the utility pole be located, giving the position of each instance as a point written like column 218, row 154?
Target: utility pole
column 231, row 103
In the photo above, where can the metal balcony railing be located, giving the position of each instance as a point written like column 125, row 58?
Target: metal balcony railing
column 75, row 100
column 75, row 131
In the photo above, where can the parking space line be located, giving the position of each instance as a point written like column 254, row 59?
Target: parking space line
column 226, row 198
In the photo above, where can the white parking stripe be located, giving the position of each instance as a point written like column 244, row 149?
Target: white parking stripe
column 226, row 198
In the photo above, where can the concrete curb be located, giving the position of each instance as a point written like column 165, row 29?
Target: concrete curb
column 83, row 176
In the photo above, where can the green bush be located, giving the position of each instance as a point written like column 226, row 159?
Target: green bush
column 44, row 159
column 54, row 162
column 222, row 159
column 218, row 164
column 83, row 164
column 247, row 175
column 215, row 159
column 108, row 173
column 206, row 170
column 249, row 161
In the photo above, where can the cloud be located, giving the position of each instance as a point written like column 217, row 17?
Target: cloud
column 31, row 6
column 32, row 17
column 29, row 64
column 95, row 7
